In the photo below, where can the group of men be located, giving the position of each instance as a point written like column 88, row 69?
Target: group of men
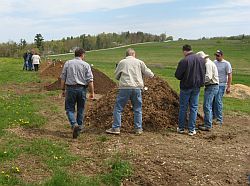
column 194, row 71
column 31, row 60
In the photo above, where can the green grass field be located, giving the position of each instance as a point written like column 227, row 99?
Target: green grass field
column 22, row 110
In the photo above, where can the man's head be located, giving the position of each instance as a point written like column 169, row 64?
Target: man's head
column 186, row 49
column 218, row 55
column 80, row 52
column 202, row 54
column 130, row 52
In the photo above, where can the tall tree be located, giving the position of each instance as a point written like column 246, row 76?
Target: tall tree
column 39, row 41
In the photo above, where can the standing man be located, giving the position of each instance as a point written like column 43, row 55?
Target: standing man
column 225, row 80
column 130, row 72
column 76, row 77
column 191, row 72
column 211, row 90
column 25, row 62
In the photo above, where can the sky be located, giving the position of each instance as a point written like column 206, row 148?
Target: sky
column 187, row 19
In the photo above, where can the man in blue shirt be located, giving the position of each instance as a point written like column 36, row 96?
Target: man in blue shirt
column 76, row 77
column 191, row 73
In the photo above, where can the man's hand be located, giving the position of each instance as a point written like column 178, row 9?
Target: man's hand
column 63, row 93
column 91, row 96
column 228, row 90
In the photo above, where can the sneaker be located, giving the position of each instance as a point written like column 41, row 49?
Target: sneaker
column 138, row 131
column 180, row 131
column 76, row 131
column 217, row 122
column 113, row 131
column 203, row 128
column 191, row 133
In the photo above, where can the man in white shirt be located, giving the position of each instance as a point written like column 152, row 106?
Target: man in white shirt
column 211, row 90
column 36, row 61
column 130, row 72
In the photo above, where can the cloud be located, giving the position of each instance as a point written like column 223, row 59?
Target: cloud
column 49, row 8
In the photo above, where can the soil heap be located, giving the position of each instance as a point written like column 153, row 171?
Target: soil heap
column 102, row 83
column 160, row 108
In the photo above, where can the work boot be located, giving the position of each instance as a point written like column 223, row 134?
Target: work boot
column 113, row 131
column 76, row 131
column 138, row 131
column 204, row 128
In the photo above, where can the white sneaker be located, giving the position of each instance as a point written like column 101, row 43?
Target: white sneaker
column 180, row 131
column 191, row 133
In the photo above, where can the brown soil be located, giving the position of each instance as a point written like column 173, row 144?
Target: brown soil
column 102, row 83
column 160, row 108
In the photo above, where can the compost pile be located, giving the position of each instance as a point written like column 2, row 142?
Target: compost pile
column 160, row 108
column 102, row 83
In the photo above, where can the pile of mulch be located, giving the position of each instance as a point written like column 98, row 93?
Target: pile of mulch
column 102, row 83
column 52, row 69
column 160, row 108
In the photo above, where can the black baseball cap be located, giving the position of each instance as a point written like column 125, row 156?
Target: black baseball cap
column 218, row 52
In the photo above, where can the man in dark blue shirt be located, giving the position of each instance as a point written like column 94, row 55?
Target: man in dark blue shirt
column 191, row 73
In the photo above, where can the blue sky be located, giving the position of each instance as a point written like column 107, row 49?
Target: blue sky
column 179, row 18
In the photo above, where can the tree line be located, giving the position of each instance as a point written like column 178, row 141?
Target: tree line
column 88, row 42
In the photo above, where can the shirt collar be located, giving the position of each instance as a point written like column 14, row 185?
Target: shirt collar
column 78, row 58
column 129, row 57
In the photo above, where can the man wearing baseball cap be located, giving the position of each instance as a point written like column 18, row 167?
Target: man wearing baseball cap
column 225, row 80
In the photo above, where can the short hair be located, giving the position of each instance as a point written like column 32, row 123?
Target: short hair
column 130, row 52
column 79, row 52
column 186, row 48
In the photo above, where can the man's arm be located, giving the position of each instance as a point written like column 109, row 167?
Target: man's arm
column 181, row 68
column 91, row 90
column 229, row 81
column 146, row 71
column 118, row 71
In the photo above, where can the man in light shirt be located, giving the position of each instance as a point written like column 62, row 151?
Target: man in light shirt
column 211, row 90
column 36, row 61
column 225, row 80
column 130, row 72
column 76, row 77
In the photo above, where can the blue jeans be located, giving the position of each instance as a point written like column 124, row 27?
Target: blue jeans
column 121, row 100
column 209, row 95
column 75, row 95
column 188, row 97
column 218, row 104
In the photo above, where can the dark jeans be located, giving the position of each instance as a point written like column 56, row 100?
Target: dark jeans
column 75, row 96
column 36, row 66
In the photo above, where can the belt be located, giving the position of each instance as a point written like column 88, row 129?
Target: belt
column 211, row 85
column 77, row 85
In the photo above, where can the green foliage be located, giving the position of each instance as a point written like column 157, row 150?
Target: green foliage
column 39, row 41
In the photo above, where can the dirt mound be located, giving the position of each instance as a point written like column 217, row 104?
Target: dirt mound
column 52, row 70
column 102, row 83
column 160, row 108
column 239, row 91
